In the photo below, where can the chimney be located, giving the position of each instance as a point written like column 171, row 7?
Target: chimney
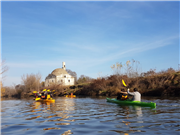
column 63, row 66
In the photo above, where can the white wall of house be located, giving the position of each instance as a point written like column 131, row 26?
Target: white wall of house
column 64, row 79
column 50, row 81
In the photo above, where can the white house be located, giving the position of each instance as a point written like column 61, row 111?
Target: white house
column 60, row 76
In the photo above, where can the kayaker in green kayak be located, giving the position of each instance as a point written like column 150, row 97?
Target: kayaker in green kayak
column 136, row 95
column 122, row 96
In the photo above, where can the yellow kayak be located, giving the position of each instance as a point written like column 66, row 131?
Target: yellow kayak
column 70, row 95
column 45, row 100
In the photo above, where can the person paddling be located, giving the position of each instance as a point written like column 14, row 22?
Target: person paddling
column 121, row 96
column 136, row 95
column 43, row 96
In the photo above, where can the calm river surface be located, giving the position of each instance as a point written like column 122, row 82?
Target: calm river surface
column 89, row 116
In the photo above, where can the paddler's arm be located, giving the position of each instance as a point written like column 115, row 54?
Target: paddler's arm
column 123, row 92
column 130, row 93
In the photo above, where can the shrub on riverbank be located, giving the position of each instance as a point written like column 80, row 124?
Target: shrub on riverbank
column 158, row 84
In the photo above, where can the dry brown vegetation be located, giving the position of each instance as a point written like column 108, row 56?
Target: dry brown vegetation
column 29, row 84
column 164, row 83
column 150, row 83
column 58, row 90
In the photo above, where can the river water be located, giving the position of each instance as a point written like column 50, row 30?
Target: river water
column 89, row 116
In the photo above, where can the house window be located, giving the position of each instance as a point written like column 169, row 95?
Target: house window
column 65, row 76
column 68, row 80
column 52, row 80
column 61, row 80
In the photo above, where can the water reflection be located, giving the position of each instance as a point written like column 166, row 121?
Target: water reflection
column 131, row 116
column 132, row 109
column 60, row 109
column 86, row 116
column 51, row 128
column 56, row 114
column 138, row 111
column 67, row 132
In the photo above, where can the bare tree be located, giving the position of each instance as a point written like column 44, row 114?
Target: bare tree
column 31, row 82
column 117, row 68
column 84, row 79
column 130, row 68
column 72, row 73
column 3, row 69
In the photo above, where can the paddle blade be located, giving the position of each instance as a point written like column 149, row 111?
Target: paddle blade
column 124, row 83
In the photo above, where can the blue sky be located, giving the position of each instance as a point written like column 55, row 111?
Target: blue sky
column 89, row 36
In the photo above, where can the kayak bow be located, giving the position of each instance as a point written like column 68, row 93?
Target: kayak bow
column 136, row 103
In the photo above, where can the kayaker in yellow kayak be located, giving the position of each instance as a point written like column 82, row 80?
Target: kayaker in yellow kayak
column 136, row 95
column 46, row 96
column 49, row 93
column 43, row 96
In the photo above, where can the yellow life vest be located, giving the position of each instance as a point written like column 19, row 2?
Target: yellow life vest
column 124, row 97
column 48, row 96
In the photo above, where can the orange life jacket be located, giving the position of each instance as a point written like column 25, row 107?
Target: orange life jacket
column 43, row 96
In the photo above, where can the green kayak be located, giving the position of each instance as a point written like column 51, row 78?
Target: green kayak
column 136, row 103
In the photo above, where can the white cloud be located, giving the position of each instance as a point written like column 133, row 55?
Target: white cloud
column 145, row 46
column 89, row 61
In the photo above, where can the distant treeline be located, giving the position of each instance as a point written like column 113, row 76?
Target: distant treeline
column 150, row 83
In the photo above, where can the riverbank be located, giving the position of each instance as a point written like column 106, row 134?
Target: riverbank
column 164, row 84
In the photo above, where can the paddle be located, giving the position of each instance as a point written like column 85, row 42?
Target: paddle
column 124, row 83
column 125, row 86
